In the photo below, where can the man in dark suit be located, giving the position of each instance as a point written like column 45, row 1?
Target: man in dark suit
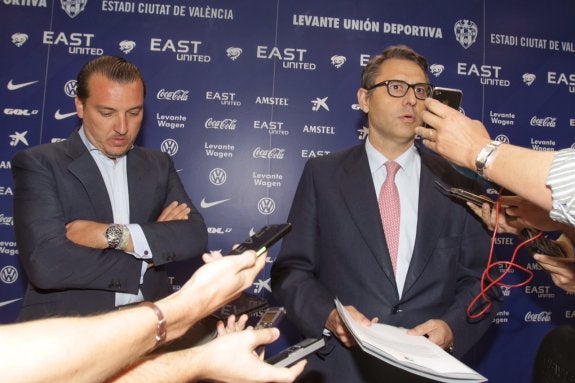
column 97, row 218
column 339, row 245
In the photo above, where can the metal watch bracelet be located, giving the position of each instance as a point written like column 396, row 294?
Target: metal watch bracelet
column 482, row 161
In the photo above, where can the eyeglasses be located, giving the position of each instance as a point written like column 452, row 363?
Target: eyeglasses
column 398, row 88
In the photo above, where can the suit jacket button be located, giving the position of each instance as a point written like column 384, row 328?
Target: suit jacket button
column 396, row 309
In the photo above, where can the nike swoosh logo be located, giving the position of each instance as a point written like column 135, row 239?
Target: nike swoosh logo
column 206, row 205
column 61, row 116
column 12, row 86
column 8, row 302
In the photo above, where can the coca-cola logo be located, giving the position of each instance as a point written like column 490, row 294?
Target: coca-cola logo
column 549, row 122
column 543, row 316
column 225, row 124
column 173, row 95
column 6, row 220
column 274, row 153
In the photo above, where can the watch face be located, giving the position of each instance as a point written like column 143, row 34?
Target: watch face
column 113, row 236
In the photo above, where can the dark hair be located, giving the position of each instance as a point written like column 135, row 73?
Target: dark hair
column 112, row 67
column 393, row 52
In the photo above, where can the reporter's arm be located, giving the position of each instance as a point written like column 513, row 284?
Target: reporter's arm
column 91, row 349
column 523, row 172
column 460, row 139
column 79, row 350
column 228, row 358
column 210, row 287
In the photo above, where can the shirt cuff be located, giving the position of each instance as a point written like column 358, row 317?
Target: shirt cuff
column 141, row 247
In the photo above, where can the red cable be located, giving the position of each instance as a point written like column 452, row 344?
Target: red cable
column 490, row 265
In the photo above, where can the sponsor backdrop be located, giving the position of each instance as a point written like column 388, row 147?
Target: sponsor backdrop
column 242, row 93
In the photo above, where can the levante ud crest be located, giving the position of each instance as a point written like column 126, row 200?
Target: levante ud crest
column 73, row 7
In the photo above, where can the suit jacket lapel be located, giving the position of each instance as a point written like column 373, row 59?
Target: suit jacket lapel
column 84, row 168
column 359, row 197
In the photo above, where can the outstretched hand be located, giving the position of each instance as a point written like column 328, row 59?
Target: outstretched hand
column 231, row 358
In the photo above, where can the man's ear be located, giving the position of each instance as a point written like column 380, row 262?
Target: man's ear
column 79, row 107
column 362, row 99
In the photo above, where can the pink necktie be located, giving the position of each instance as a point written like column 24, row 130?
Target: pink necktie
column 389, row 211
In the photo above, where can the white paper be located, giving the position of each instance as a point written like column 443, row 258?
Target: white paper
column 416, row 354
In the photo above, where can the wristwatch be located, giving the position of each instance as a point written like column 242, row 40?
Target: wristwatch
column 482, row 161
column 113, row 235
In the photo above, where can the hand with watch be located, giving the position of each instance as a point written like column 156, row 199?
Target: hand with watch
column 98, row 235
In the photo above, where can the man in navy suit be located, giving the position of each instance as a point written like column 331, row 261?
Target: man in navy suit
column 97, row 218
column 338, row 245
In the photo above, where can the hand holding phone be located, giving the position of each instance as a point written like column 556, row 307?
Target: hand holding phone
column 448, row 96
column 541, row 244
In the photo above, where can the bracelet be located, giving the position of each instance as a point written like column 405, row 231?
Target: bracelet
column 124, row 239
column 162, row 327
column 485, row 157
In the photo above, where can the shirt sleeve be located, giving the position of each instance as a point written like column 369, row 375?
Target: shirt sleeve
column 561, row 180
